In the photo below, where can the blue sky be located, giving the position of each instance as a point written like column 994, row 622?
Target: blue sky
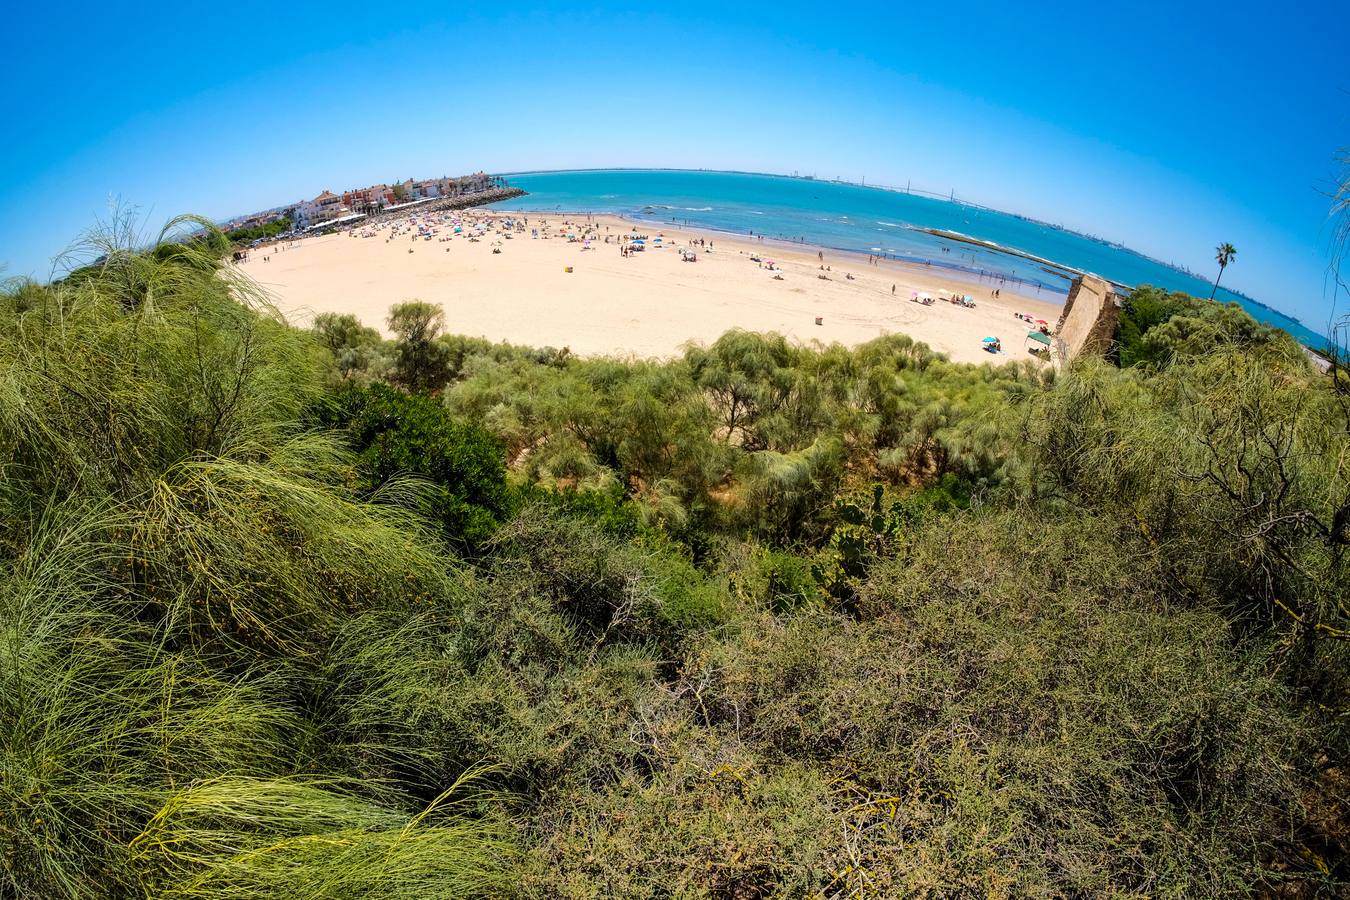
column 1169, row 127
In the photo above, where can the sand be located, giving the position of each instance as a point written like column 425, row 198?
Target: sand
column 648, row 304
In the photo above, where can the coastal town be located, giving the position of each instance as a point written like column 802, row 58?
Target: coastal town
column 330, row 210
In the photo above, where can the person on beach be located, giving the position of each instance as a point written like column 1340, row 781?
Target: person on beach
column 892, row 290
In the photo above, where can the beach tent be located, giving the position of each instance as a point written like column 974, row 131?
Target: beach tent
column 1039, row 337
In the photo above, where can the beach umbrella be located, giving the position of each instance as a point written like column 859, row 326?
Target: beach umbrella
column 1038, row 337
column 1042, row 322
column 989, row 340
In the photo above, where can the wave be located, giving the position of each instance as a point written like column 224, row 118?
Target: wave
column 800, row 216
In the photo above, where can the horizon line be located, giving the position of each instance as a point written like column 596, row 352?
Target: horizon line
column 911, row 192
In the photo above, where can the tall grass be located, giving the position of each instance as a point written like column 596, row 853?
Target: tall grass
column 244, row 837
column 766, row 620
column 178, row 559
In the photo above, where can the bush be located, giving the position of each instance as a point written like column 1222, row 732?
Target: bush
column 609, row 509
column 421, row 362
column 1088, row 635
column 1157, row 326
column 767, row 578
column 615, row 591
column 253, row 233
column 396, row 434
column 358, row 352
column 1013, row 689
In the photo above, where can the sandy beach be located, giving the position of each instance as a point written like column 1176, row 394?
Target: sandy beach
column 647, row 304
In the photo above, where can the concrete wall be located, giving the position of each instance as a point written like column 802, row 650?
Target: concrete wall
column 1088, row 323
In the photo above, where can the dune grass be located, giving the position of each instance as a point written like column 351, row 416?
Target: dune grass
column 178, row 555
column 767, row 620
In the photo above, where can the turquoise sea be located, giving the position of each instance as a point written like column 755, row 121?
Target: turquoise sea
column 865, row 220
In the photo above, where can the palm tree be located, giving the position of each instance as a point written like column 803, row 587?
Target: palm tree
column 1223, row 254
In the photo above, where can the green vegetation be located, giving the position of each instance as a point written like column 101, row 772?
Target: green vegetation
column 1224, row 254
column 396, row 434
column 312, row 613
column 420, row 361
column 1157, row 327
column 258, row 232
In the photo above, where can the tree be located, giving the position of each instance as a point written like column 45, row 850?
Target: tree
column 395, row 435
column 421, row 362
column 1223, row 254
column 268, row 230
column 357, row 350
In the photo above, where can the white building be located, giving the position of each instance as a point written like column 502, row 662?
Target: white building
column 304, row 213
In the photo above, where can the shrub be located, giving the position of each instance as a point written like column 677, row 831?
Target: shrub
column 1011, row 689
column 615, row 591
column 358, row 352
column 396, row 434
column 421, row 362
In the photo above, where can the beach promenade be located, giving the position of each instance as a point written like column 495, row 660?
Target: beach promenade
column 511, row 283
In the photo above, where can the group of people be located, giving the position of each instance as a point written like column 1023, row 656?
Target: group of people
column 1036, row 324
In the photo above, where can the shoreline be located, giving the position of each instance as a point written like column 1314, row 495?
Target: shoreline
column 949, row 198
column 976, row 277
column 527, row 283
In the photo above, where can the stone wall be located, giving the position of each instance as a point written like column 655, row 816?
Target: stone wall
column 1088, row 323
column 463, row 201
